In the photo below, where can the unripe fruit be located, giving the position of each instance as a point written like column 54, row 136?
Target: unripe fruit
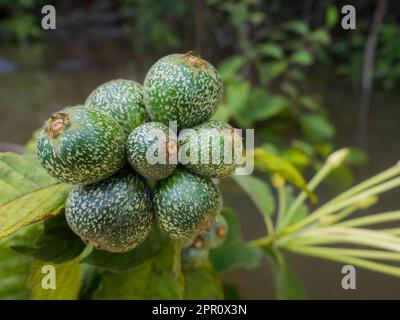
column 212, row 149
column 80, row 145
column 114, row 214
column 152, row 150
column 186, row 204
column 122, row 100
column 182, row 88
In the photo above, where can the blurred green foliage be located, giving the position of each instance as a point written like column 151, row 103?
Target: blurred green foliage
column 266, row 87
column 288, row 34
column 20, row 20
column 265, row 57
column 160, row 33
column 387, row 62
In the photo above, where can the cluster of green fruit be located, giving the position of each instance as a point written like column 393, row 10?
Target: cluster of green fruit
column 115, row 201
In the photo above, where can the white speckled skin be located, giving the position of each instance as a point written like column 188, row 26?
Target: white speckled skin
column 186, row 204
column 90, row 148
column 143, row 141
column 114, row 214
column 184, row 88
column 122, row 100
column 218, row 141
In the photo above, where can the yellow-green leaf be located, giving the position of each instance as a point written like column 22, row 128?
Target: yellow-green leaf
column 67, row 280
column 267, row 162
column 14, row 272
column 28, row 194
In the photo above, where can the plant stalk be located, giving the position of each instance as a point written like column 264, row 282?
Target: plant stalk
column 336, row 206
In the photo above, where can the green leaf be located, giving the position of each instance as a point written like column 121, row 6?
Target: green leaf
column 257, row 17
column 230, row 67
column 91, row 280
column 259, row 192
column 267, row 162
column 57, row 243
column 297, row 157
column 272, row 50
column 297, row 26
column 14, row 272
column 324, row 149
column 316, row 128
column 153, row 279
column 331, row 16
column 28, row 193
column 275, row 69
column 203, row 283
column 236, row 99
column 296, row 74
column 270, row 148
column 234, row 255
column 67, row 280
column 118, row 262
column 356, row 157
column 305, row 147
column 263, row 107
column 289, row 89
column 236, row 95
column 301, row 212
column 339, row 179
column 310, row 103
column 321, row 36
column 288, row 286
column 230, row 292
column 233, row 224
column 302, row 57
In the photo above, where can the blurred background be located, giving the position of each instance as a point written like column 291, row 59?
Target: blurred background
column 290, row 71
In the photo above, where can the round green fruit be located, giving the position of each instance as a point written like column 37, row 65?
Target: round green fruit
column 212, row 149
column 182, row 88
column 122, row 100
column 214, row 237
column 81, row 145
column 114, row 214
column 186, row 204
column 152, row 150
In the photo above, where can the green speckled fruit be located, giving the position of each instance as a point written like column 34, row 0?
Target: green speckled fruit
column 122, row 100
column 184, row 88
column 114, row 214
column 81, row 145
column 152, row 150
column 186, row 204
column 214, row 237
column 211, row 149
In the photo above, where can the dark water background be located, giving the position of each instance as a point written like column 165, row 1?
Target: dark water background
column 35, row 81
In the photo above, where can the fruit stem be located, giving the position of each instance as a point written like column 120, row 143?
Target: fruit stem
column 333, row 161
column 176, row 266
column 261, row 242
